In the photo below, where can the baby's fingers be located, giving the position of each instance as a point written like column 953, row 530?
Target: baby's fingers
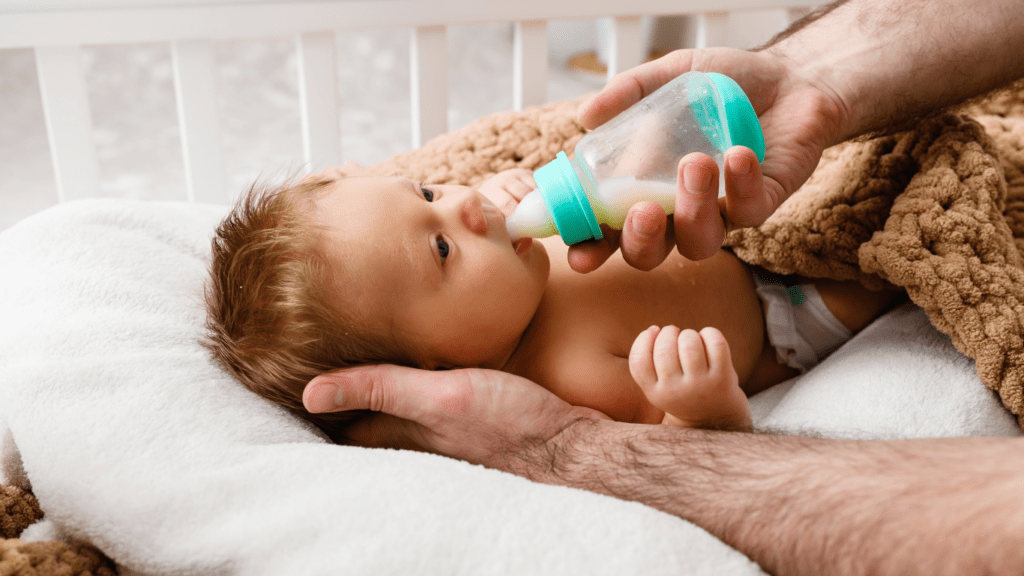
column 719, row 358
column 506, row 189
column 692, row 357
column 519, row 182
column 526, row 178
column 666, row 354
column 641, row 358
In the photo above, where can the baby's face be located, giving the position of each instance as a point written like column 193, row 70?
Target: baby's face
column 433, row 266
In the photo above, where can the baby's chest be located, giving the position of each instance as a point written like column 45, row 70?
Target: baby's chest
column 615, row 303
column 587, row 365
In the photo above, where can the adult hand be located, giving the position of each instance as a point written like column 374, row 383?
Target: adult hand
column 483, row 416
column 800, row 117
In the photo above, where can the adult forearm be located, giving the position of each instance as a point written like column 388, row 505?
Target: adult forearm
column 811, row 506
column 886, row 61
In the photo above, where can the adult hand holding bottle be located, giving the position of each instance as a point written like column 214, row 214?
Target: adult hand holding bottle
column 851, row 67
column 799, row 118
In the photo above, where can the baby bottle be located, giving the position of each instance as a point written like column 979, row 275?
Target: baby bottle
column 635, row 157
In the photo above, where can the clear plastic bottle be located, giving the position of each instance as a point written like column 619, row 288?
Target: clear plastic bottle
column 635, row 157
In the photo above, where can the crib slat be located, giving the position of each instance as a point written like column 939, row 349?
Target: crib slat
column 198, row 121
column 530, row 63
column 429, row 75
column 712, row 29
column 625, row 49
column 68, row 121
column 318, row 102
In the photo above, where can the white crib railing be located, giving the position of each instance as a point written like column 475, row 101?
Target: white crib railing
column 190, row 25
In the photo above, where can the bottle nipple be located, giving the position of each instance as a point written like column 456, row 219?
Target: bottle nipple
column 531, row 219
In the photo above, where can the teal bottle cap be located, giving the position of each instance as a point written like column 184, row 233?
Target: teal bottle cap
column 744, row 128
column 566, row 201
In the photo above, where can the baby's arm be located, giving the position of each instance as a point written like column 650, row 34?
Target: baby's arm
column 506, row 189
column 690, row 376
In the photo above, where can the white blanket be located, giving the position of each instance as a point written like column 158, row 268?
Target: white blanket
column 134, row 440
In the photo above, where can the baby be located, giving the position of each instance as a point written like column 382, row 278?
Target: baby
column 340, row 271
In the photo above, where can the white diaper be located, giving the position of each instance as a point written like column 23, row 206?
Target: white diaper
column 799, row 325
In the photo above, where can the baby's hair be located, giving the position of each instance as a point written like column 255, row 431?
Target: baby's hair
column 273, row 313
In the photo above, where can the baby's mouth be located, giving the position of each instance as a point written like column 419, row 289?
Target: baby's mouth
column 522, row 246
column 492, row 214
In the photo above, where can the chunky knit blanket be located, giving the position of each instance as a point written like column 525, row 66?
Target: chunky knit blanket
column 18, row 510
column 937, row 211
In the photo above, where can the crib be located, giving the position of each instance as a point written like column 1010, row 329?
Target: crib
column 191, row 27
column 135, row 442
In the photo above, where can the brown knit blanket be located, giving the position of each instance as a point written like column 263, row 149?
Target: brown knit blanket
column 937, row 211
column 20, row 509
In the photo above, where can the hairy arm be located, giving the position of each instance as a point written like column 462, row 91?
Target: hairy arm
column 812, row 506
column 800, row 506
column 888, row 63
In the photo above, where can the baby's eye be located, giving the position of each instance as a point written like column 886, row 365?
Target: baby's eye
column 427, row 194
column 442, row 248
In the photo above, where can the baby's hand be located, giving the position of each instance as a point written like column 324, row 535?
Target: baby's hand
column 506, row 189
column 690, row 376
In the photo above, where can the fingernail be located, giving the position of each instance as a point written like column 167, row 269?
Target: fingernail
column 644, row 227
column 324, row 398
column 696, row 179
column 740, row 164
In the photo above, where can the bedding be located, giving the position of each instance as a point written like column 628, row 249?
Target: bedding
column 134, row 441
column 935, row 211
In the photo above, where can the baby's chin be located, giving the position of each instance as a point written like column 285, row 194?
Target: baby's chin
column 530, row 249
column 539, row 250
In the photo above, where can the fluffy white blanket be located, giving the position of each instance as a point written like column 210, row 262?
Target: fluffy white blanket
column 134, row 440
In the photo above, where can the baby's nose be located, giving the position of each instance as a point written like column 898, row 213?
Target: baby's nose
column 473, row 215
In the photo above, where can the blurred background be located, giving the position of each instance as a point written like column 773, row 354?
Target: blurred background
column 134, row 116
